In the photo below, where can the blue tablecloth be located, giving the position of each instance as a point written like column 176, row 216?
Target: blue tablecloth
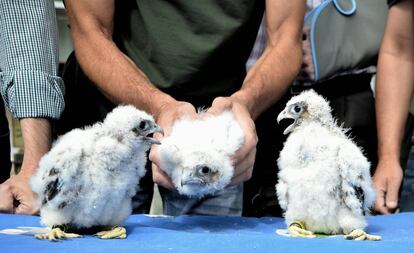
column 197, row 234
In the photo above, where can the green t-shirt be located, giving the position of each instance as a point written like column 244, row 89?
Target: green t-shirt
column 189, row 47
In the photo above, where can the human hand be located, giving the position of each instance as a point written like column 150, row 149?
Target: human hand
column 387, row 180
column 17, row 197
column 168, row 114
column 243, row 159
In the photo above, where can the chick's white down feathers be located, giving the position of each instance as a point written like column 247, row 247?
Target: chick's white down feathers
column 90, row 175
column 196, row 155
column 324, row 178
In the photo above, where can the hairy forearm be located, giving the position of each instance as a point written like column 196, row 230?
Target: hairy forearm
column 279, row 64
column 112, row 71
column 116, row 75
column 394, row 90
column 269, row 78
column 37, row 141
column 395, row 79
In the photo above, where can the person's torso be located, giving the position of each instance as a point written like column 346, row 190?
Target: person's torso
column 189, row 47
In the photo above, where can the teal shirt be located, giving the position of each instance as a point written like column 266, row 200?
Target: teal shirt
column 189, row 47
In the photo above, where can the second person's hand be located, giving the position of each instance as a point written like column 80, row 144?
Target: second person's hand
column 245, row 156
column 166, row 117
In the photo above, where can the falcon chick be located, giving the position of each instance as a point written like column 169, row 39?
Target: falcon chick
column 196, row 155
column 324, row 181
column 87, row 180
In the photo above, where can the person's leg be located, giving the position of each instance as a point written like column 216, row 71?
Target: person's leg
column 5, row 163
column 86, row 105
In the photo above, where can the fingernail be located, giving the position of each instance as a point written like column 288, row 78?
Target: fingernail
column 392, row 204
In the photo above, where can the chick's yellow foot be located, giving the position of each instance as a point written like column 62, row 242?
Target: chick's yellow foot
column 359, row 234
column 297, row 229
column 115, row 233
column 56, row 234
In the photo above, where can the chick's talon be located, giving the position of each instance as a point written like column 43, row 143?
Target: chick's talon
column 56, row 234
column 297, row 229
column 115, row 233
column 359, row 234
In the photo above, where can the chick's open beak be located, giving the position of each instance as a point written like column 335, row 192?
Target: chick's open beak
column 156, row 129
column 282, row 115
column 286, row 115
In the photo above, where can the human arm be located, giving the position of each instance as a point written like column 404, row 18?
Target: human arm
column 267, row 80
column 115, row 74
column 394, row 88
column 15, row 194
column 30, row 88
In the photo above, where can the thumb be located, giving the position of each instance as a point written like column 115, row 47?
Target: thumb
column 214, row 111
column 393, row 188
column 380, row 202
column 20, row 209
column 219, row 105
column 26, row 203
column 6, row 199
column 24, row 208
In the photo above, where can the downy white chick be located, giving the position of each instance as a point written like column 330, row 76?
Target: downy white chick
column 196, row 155
column 324, row 179
column 88, row 178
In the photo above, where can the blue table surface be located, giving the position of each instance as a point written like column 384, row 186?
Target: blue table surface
column 213, row 234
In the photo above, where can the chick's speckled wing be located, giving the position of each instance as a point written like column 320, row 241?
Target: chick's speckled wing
column 58, row 180
column 357, row 187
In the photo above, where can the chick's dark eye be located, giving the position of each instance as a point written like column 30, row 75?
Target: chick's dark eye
column 297, row 109
column 142, row 125
column 205, row 170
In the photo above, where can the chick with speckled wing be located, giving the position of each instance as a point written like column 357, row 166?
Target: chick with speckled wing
column 87, row 180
